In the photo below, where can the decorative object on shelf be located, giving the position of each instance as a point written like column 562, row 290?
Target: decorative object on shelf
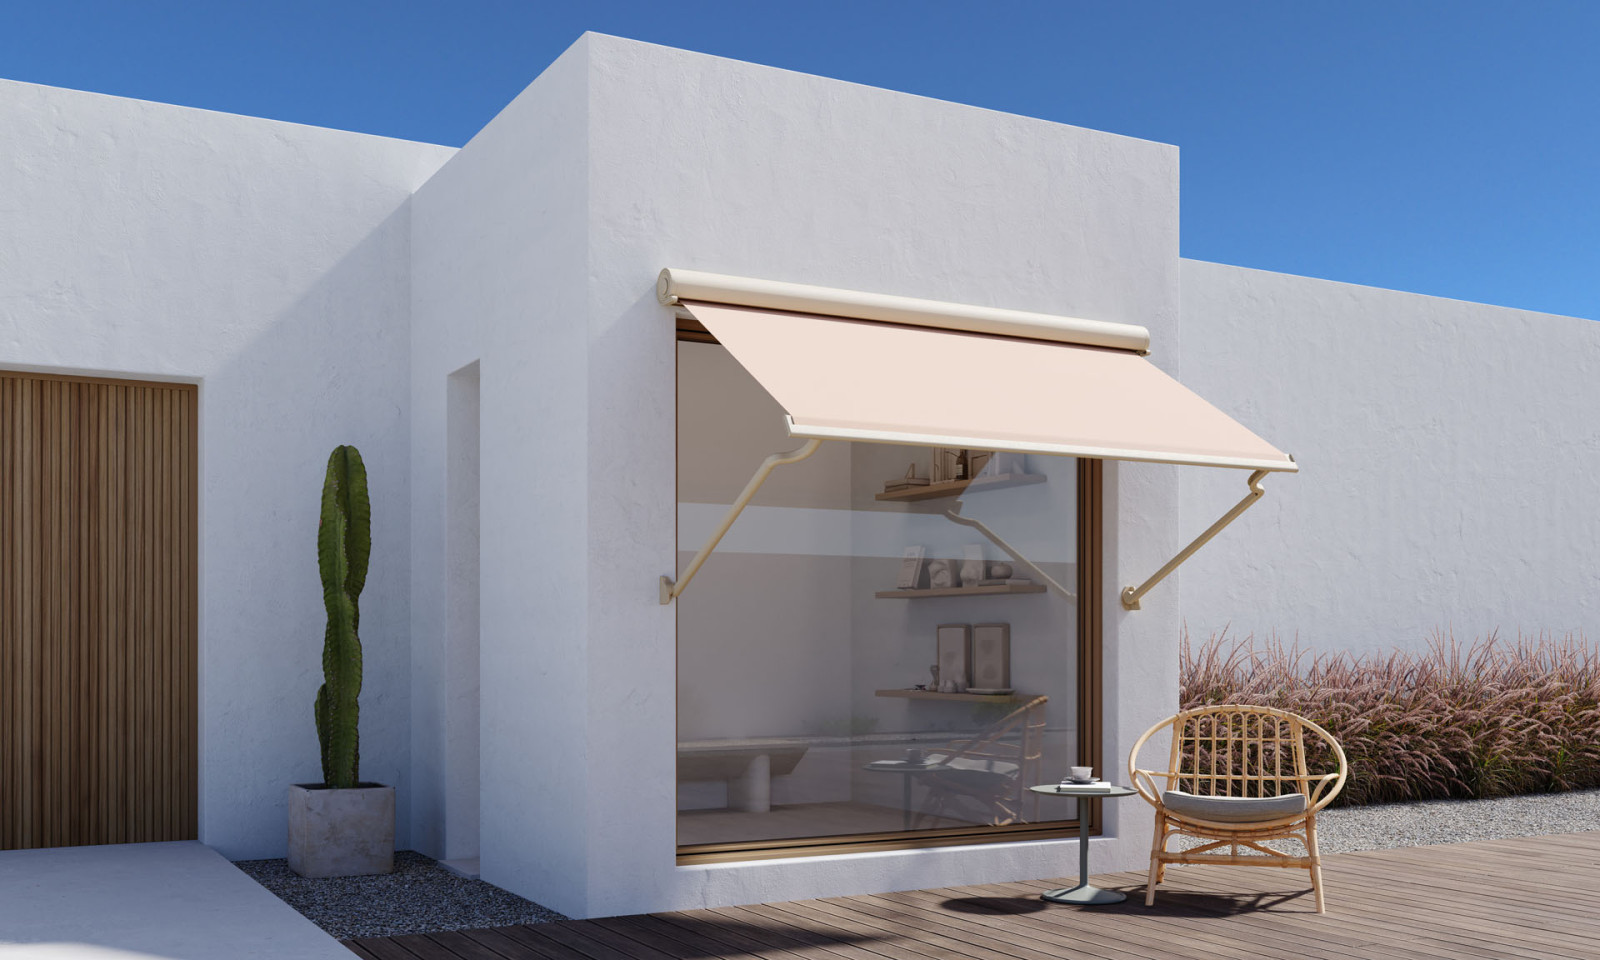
column 978, row 462
column 1004, row 581
column 991, row 656
column 1000, row 570
column 934, row 670
column 949, row 463
column 910, row 568
column 971, row 564
column 942, row 574
column 907, row 482
column 955, row 656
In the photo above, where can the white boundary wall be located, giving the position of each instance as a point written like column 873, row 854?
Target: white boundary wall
column 268, row 262
column 1448, row 455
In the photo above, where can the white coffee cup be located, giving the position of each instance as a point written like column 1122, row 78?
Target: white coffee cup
column 1082, row 773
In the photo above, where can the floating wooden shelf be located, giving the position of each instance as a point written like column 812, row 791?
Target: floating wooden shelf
column 993, row 591
column 970, row 697
column 954, row 488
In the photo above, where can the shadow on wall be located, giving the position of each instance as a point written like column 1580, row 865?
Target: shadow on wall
column 332, row 368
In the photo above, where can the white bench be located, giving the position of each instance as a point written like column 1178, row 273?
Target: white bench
column 747, row 766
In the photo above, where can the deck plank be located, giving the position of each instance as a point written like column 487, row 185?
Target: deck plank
column 1524, row 899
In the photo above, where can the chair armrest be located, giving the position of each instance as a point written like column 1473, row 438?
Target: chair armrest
column 1144, row 782
column 1317, row 800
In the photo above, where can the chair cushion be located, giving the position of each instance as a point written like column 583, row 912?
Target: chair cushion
column 1234, row 809
column 975, row 773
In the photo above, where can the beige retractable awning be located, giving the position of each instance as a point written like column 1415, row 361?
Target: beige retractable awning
column 854, row 365
column 849, row 379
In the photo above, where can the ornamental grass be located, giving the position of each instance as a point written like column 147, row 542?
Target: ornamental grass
column 1486, row 719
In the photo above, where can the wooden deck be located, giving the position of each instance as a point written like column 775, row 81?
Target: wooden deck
column 1533, row 898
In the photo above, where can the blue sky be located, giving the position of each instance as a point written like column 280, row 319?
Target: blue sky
column 1450, row 148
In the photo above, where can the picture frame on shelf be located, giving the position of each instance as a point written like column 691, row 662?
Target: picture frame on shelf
column 991, row 656
column 954, row 655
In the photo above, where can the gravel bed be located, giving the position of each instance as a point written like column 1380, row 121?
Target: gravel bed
column 419, row 897
column 1390, row 825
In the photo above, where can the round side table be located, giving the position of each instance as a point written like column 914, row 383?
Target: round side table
column 1083, row 894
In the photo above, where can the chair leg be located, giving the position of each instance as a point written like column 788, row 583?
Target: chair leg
column 1158, row 846
column 1316, row 864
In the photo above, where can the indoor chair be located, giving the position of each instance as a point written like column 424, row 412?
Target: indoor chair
column 992, row 769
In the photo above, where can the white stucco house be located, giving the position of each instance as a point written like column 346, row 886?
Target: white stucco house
column 555, row 683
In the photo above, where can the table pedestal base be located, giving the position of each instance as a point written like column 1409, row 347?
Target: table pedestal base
column 1083, row 895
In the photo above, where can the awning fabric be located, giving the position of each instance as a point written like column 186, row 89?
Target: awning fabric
column 865, row 380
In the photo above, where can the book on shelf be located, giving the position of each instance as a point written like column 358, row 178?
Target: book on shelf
column 910, row 568
column 1004, row 582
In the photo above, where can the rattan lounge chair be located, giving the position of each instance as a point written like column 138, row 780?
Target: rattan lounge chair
column 1237, row 777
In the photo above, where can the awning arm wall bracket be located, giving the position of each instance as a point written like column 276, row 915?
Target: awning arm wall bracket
column 671, row 591
column 1131, row 595
column 994, row 538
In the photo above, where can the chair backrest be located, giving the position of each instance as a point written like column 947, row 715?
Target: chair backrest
column 1016, row 738
column 1244, row 751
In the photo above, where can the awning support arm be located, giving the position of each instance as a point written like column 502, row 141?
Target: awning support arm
column 1131, row 595
column 994, row 538
column 671, row 591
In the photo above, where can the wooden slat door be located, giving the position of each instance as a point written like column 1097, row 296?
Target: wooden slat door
column 98, row 611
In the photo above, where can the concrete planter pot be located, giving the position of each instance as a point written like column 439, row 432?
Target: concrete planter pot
column 341, row 833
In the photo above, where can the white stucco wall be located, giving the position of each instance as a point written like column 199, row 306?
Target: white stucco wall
column 498, row 274
column 267, row 262
column 537, row 249
column 1447, row 449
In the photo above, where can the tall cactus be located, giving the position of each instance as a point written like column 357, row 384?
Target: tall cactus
column 344, row 543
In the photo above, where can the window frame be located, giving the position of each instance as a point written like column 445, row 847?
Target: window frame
column 1090, row 529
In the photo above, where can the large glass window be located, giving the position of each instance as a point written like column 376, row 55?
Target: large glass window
column 861, row 661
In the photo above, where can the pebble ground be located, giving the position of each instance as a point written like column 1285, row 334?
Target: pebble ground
column 1384, row 827
column 419, row 897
